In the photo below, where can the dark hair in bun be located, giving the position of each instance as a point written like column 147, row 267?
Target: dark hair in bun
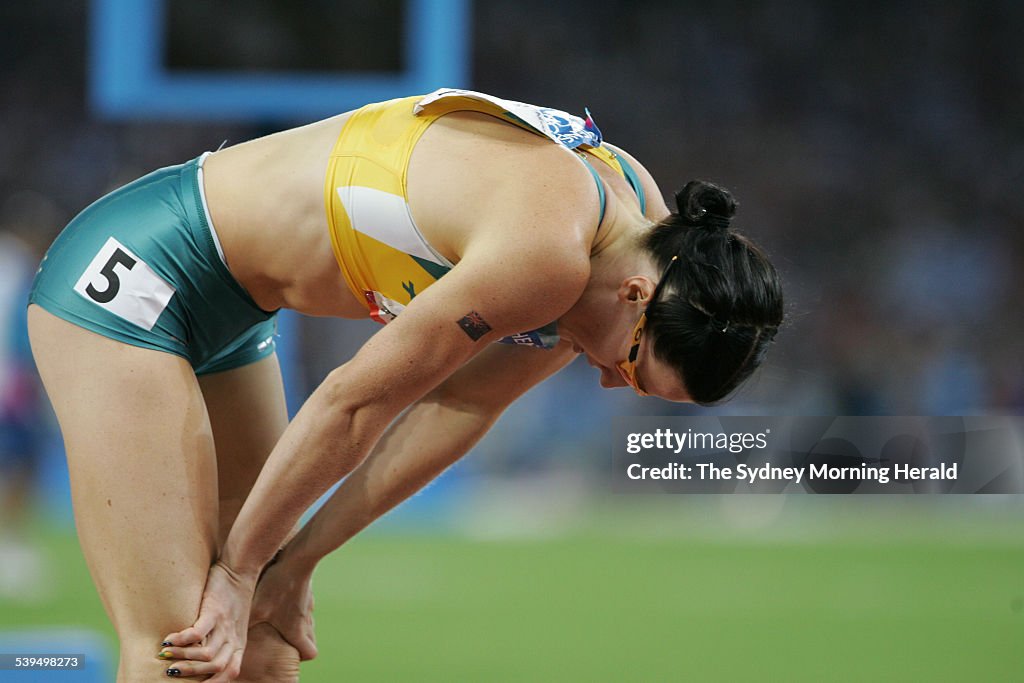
column 722, row 304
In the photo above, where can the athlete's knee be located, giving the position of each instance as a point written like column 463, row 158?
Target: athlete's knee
column 268, row 657
column 139, row 661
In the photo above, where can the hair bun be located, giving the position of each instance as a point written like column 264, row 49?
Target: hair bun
column 705, row 204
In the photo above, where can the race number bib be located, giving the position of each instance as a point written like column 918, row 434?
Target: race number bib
column 122, row 283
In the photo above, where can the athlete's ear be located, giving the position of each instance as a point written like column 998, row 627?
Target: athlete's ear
column 636, row 289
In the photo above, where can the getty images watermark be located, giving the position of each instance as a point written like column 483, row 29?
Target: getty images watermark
column 818, row 454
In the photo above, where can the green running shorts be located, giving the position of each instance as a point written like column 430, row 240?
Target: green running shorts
column 142, row 265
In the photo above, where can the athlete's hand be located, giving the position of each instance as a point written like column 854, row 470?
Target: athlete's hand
column 216, row 642
column 284, row 600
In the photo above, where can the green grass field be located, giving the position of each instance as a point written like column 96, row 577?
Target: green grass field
column 906, row 594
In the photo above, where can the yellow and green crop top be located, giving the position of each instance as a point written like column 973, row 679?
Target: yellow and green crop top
column 385, row 259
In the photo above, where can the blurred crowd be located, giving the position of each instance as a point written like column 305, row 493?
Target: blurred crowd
column 875, row 149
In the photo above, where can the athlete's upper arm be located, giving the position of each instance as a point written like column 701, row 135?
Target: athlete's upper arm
column 656, row 207
column 525, row 263
column 495, row 290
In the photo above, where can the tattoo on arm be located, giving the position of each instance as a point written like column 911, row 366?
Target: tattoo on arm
column 474, row 325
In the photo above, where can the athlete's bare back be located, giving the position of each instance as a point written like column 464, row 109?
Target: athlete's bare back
column 266, row 198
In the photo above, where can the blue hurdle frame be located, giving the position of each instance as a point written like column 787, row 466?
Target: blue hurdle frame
column 129, row 80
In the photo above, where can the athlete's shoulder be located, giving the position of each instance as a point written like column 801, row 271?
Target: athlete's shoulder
column 656, row 208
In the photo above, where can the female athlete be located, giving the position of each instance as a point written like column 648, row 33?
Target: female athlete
column 153, row 331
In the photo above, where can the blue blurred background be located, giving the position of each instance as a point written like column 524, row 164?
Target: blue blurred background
column 876, row 150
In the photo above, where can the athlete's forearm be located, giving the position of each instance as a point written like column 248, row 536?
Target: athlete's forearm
column 428, row 438
column 324, row 442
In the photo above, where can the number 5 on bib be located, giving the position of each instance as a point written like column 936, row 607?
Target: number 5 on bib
column 121, row 282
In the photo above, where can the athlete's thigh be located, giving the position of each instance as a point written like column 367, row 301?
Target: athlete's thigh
column 143, row 479
column 248, row 413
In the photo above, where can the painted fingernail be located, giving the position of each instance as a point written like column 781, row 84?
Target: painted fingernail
column 166, row 643
column 173, row 672
column 164, row 655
